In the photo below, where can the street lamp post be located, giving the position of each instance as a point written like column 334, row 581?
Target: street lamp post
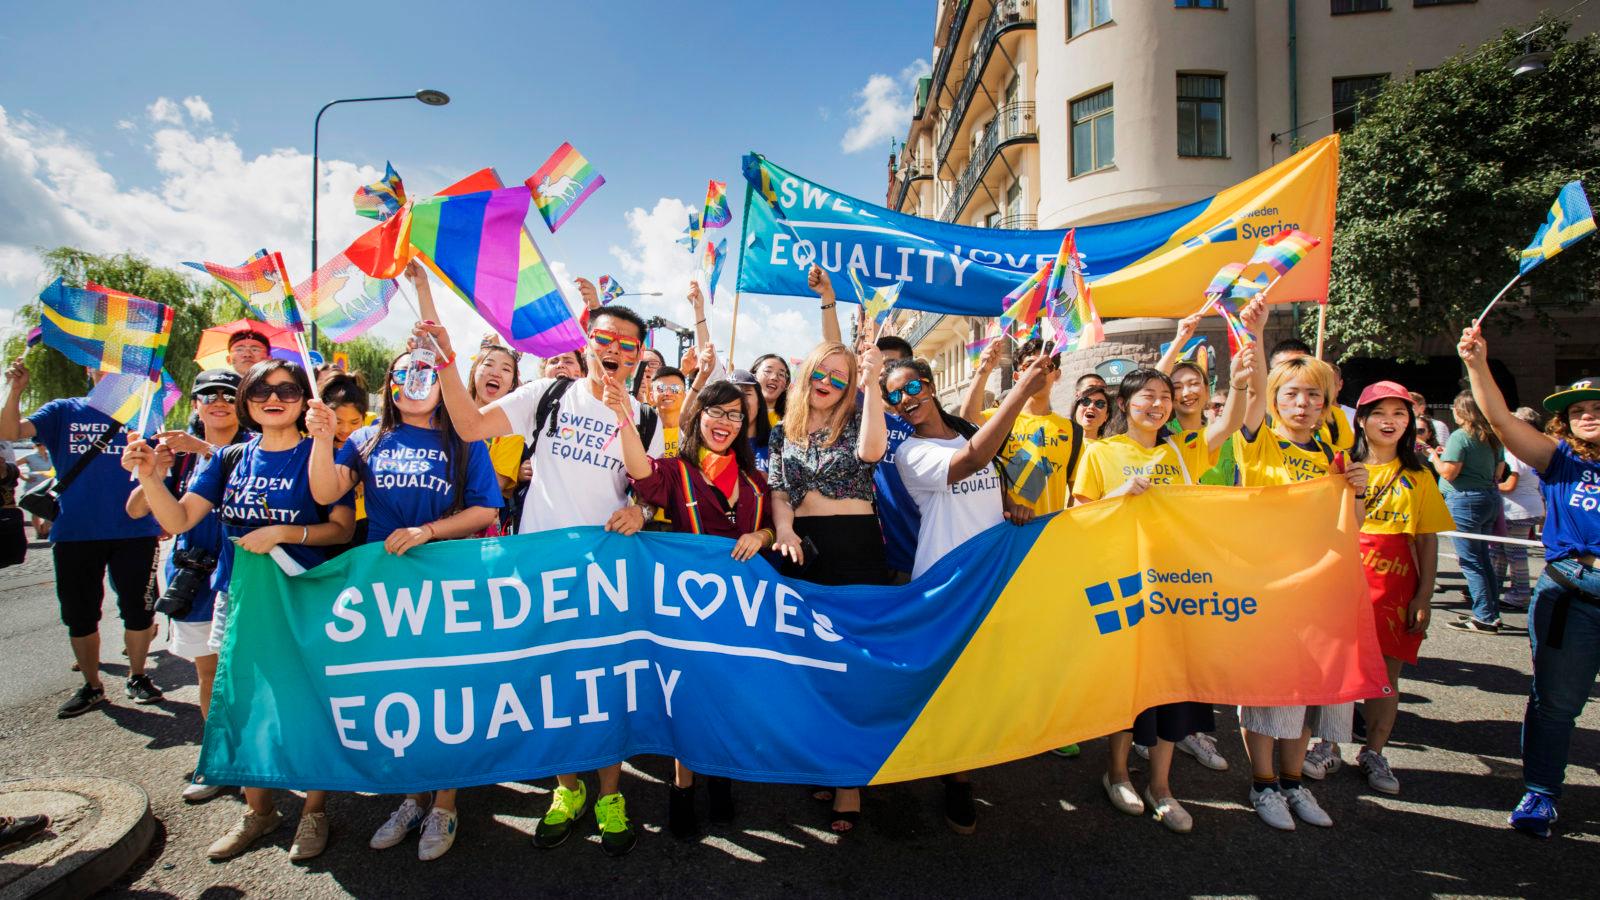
column 426, row 95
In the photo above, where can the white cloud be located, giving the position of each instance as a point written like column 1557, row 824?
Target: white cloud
column 210, row 201
column 165, row 112
column 654, row 261
column 884, row 108
column 198, row 109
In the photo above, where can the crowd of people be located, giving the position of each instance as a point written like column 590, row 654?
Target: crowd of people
column 848, row 469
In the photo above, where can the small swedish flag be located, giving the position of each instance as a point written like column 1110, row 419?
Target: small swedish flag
column 1570, row 220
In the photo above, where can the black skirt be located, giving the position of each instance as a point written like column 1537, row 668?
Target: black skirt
column 841, row 550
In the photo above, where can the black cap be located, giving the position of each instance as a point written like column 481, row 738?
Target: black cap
column 212, row 379
column 743, row 377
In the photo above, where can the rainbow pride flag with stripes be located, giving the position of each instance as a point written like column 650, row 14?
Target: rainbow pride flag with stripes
column 716, row 213
column 1283, row 251
column 382, row 198
column 261, row 284
column 122, row 398
column 477, row 245
column 345, row 301
column 610, row 289
column 103, row 329
column 1024, row 304
column 562, row 184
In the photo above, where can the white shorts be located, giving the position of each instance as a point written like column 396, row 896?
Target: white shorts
column 219, row 623
column 1328, row 723
column 189, row 639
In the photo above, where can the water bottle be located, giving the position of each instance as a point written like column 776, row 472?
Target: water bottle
column 420, row 374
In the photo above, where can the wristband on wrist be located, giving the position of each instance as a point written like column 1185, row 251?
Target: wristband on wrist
column 305, row 533
column 700, row 321
column 828, row 305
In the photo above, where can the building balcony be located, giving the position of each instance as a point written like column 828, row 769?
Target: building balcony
column 1007, row 15
column 1020, row 222
column 1012, row 123
column 941, row 65
column 908, row 171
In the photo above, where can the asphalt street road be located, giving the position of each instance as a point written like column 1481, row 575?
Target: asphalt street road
column 1045, row 825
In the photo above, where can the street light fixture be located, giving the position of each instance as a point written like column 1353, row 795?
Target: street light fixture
column 428, row 96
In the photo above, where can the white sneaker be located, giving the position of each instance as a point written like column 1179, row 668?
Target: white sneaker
column 1203, row 747
column 1272, row 809
column 401, row 822
column 1322, row 760
column 438, row 834
column 1379, row 776
column 198, row 793
column 1306, row 808
column 1123, row 796
column 1170, row 812
column 1142, row 750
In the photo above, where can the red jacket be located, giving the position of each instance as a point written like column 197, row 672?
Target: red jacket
column 695, row 506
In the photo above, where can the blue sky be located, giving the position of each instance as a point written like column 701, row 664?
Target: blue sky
column 182, row 130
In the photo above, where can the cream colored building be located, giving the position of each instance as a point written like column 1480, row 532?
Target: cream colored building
column 1054, row 113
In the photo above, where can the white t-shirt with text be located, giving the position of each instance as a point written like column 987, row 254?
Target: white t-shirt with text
column 578, row 475
column 951, row 513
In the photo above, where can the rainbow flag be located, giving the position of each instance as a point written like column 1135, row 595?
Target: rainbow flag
column 104, row 329
column 122, row 398
column 1074, row 321
column 382, row 198
column 717, row 213
column 975, row 350
column 562, row 184
column 477, row 245
column 1224, row 279
column 1061, row 287
column 261, row 284
column 711, row 265
column 691, row 235
column 1283, row 250
column 1024, row 304
column 610, row 289
column 345, row 301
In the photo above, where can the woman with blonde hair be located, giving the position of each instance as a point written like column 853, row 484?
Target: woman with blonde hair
column 821, row 466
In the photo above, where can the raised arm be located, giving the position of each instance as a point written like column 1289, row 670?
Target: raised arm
column 817, row 279
column 328, row 480
column 874, row 440
column 972, row 404
column 13, row 426
column 173, row 515
column 635, row 458
column 471, row 423
column 1524, row 441
column 1186, row 329
column 697, row 302
column 980, row 450
column 1254, row 318
column 1233, row 409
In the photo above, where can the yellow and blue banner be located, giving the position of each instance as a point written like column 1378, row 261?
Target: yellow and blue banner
column 104, row 329
column 482, row 661
column 1570, row 220
column 1156, row 265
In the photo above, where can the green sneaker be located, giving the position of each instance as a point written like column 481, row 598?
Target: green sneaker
column 1067, row 752
column 616, row 837
column 566, row 808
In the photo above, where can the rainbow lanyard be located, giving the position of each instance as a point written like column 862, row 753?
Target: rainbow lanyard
column 693, row 505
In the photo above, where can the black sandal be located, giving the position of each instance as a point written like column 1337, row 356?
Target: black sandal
column 849, row 819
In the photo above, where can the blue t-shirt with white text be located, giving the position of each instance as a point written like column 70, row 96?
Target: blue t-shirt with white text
column 266, row 487
column 407, row 477
column 92, row 508
column 1571, row 488
column 896, row 510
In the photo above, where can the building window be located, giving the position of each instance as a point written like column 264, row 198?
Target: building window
column 1093, row 141
column 1348, row 96
column 1083, row 15
column 1199, row 4
column 1200, row 120
column 1341, row 7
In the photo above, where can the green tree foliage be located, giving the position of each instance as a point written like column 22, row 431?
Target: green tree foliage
column 1446, row 177
column 368, row 356
column 198, row 303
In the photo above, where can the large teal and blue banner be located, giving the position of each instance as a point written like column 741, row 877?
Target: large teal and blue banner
column 477, row 662
column 1155, row 265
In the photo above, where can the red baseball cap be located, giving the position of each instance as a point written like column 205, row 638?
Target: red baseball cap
column 1384, row 390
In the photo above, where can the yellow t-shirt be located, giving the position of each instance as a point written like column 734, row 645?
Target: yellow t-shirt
column 1268, row 459
column 772, row 416
column 1338, row 434
column 1411, row 504
column 1036, row 455
column 505, row 454
column 669, row 438
column 1110, row 462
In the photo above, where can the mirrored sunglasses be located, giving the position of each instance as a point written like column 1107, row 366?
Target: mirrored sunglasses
column 912, row 388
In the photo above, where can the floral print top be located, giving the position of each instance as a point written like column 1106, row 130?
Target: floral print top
column 834, row 470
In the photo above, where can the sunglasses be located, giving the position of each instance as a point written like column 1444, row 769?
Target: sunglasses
column 669, row 388
column 429, row 375
column 732, row 415
column 912, row 388
column 207, row 398
column 1218, row 405
column 818, row 376
column 287, row 391
column 1097, row 404
column 628, row 346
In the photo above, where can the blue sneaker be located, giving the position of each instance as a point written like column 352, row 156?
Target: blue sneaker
column 1534, row 814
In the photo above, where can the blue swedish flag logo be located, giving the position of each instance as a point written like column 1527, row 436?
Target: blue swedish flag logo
column 1129, row 587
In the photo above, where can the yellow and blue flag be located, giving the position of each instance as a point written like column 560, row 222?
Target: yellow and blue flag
column 105, row 329
column 122, row 397
column 1570, row 221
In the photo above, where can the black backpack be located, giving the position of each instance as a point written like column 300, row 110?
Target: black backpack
column 546, row 419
